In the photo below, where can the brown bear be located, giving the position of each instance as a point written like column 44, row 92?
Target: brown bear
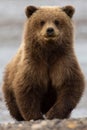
column 44, row 77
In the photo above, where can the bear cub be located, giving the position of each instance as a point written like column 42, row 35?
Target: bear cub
column 44, row 76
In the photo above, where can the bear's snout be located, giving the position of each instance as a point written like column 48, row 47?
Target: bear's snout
column 50, row 31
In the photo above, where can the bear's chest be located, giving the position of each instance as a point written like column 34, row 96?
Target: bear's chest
column 54, row 74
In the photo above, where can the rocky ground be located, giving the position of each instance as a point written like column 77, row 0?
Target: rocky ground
column 72, row 124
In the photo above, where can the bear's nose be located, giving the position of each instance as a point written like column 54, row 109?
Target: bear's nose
column 50, row 31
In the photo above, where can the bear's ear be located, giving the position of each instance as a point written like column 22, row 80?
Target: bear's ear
column 29, row 10
column 69, row 10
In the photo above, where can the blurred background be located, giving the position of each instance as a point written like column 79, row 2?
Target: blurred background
column 12, row 18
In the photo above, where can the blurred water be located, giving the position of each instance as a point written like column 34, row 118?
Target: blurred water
column 11, row 26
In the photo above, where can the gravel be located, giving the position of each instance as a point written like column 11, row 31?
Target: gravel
column 70, row 124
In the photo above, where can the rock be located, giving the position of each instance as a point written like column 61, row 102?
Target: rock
column 66, row 124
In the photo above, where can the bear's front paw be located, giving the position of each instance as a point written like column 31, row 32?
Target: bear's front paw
column 55, row 114
column 50, row 115
column 37, row 116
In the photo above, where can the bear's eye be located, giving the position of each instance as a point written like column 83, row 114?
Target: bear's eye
column 56, row 22
column 42, row 23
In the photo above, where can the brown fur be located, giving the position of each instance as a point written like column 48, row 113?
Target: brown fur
column 44, row 77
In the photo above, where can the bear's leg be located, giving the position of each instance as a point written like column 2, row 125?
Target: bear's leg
column 66, row 101
column 29, row 103
column 48, row 99
column 11, row 103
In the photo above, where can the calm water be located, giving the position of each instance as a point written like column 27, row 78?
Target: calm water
column 11, row 26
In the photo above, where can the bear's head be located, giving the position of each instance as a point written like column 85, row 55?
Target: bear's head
column 49, row 26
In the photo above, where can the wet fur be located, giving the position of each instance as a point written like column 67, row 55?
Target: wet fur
column 42, row 78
